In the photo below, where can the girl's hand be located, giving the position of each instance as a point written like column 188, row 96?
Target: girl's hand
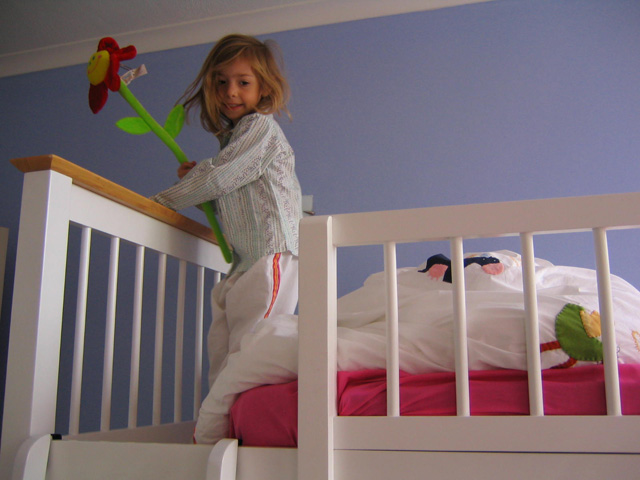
column 185, row 168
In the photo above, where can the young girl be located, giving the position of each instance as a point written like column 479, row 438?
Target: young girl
column 252, row 184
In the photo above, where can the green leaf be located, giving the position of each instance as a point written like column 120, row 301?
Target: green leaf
column 573, row 338
column 175, row 120
column 133, row 125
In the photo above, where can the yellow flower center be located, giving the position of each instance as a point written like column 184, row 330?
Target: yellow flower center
column 591, row 323
column 98, row 66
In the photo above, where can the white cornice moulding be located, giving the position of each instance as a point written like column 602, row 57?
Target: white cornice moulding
column 259, row 22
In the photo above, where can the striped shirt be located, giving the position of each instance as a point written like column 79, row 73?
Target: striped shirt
column 253, row 186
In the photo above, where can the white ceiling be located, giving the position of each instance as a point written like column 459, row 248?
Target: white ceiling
column 41, row 34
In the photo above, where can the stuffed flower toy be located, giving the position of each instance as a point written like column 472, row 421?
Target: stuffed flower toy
column 102, row 72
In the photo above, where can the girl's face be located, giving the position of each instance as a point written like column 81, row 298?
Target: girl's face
column 238, row 90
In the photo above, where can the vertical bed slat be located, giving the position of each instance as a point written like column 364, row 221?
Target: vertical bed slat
column 197, row 380
column 460, row 328
column 532, row 329
column 134, row 376
column 159, row 338
column 317, row 361
column 33, row 357
column 109, row 340
column 177, row 394
column 78, row 343
column 393, row 360
column 611, row 376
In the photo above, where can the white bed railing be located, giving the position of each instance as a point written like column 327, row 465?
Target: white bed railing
column 59, row 196
column 323, row 434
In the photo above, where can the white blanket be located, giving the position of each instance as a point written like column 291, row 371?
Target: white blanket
column 495, row 327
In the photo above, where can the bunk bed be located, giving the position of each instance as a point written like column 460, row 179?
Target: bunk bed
column 328, row 436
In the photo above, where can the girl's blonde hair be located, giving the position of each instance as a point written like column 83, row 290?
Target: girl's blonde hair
column 262, row 58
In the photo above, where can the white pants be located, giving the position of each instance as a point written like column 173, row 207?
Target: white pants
column 242, row 300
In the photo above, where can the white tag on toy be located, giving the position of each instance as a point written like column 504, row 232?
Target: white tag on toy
column 131, row 75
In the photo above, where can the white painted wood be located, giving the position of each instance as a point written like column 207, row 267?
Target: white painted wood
column 487, row 220
column 393, row 355
column 101, row 214
column 178, row 362
column 197, row 385
column 371, row 465
column 330, row 446
column 31, row 460
column 136, row 332
column 81, row 319
column 605, row 300
column 50, row 203
column 223, row 460
column 256, row 463
column 463, row 405
column 81, row 460
column 109, row 334
column 490, row 433
column 159, row 336
column 317, row 349
column 166, row 433
column 532, row 329
column 34, row 343
column 77, row 460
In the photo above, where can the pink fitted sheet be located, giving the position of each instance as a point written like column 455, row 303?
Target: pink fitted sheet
column 268, row 415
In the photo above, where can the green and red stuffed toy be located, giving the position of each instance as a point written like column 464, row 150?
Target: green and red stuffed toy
column 102, row 72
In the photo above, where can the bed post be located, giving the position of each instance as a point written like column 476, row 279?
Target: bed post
column 317, row 349
column 36, row 318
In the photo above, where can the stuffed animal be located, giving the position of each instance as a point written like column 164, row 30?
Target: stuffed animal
column 102, row 72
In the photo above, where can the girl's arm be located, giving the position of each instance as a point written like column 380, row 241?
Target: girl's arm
column 241, row 162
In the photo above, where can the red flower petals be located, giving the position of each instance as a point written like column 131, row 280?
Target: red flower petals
column 98, row 93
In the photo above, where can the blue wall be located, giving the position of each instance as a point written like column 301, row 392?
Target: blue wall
column 504, row 100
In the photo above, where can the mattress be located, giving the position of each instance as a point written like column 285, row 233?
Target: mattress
column 569, row 328
column 266, row 416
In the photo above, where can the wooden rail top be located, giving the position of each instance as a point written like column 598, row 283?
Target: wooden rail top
column 101, row 186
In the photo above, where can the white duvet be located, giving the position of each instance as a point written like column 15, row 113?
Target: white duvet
column 495, row 326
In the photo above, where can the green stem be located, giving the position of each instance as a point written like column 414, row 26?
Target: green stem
column 182, row 158
column 207, row 208
column 155, row 126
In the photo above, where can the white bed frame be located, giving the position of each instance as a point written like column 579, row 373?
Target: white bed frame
column 57, row 193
